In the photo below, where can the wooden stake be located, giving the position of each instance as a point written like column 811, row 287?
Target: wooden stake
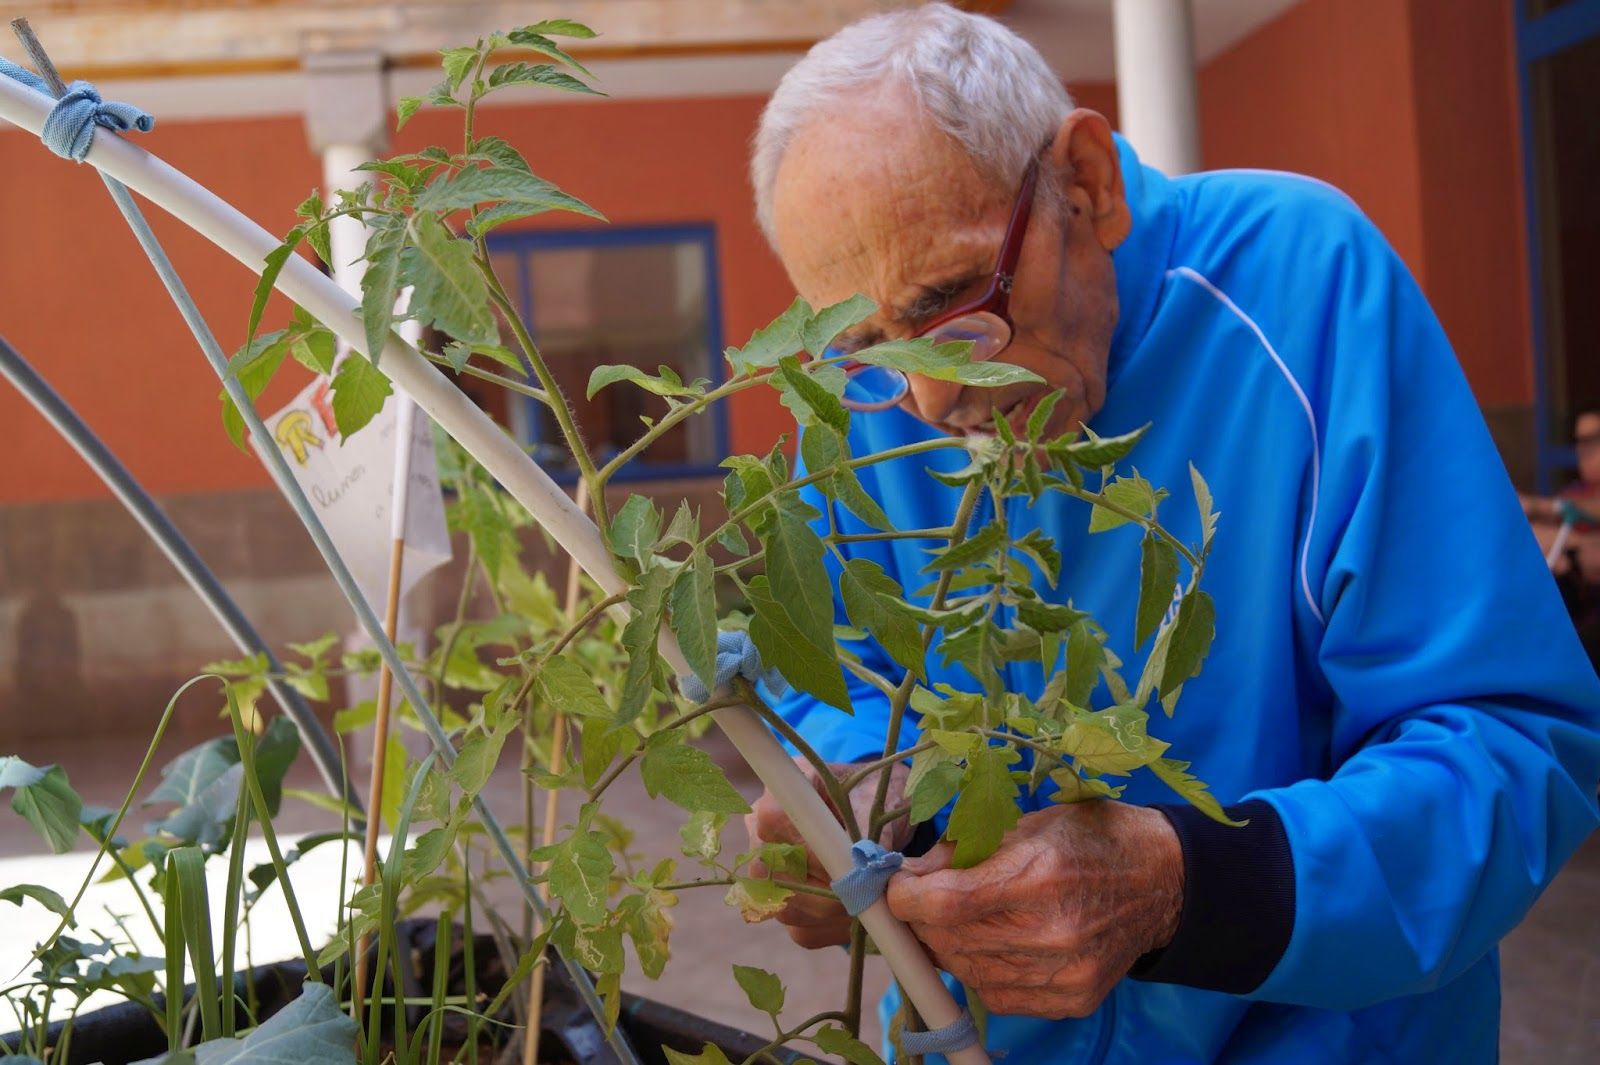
column 547, row 836
column 380, row 749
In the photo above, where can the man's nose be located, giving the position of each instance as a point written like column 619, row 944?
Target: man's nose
column 936, row 401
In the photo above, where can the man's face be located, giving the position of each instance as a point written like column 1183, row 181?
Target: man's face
column 872, row 199
column 1586, row 435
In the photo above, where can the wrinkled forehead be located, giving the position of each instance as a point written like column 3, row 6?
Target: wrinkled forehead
column 871, row 199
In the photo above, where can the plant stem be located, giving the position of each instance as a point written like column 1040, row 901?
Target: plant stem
column 1147, row 523
column 897, row 534
column 557, row 400
column 889, row 817
column 858, row 970
column 509, row 383
column 869, row 768
column 837, row 795
column 619, row 767
column 728, row 881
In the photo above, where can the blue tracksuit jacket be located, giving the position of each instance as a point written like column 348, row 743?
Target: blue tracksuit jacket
column 1394, row 688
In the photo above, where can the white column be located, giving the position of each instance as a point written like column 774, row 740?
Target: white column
column 1156, row 82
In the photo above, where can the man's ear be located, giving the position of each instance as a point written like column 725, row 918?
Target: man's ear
column 1086, row 157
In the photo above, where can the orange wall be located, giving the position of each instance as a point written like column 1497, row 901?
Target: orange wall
column 1410, row 107
column 79, row 301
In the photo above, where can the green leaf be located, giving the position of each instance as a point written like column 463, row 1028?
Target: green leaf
column 851, row 493
column 821, row 328
column 1086, row 654
column 702, row 834
column 835, row 1040
column 604, row 376
column 44, row 799
column 314, row 349
column 447, row 289
column 1040, row 418
column 538, row 42
column 808, row 665
column 687, row 777
column 980, row 546
column 756, row 898
column 1111, row 741
column 1130, row 493
column 635, row 530
column 272, row 266
column 1158, row 577
column 508, row 185
column 1202, row 499
column 1070, row 788
column 817, row 404
column 43, row 896
column 380, row 283
column 538, row 74
column 763, row 989
column 776, row 340
column 639, row 641
column 873, row 601
column 933, row 789
column 567, row 686
column 1098, row 451
column 694, row 616
column 645, row 918
column 711, row 1055
column 551, row 27
column 796, row 573
column 1175, row 775
column 1191, row 639
column 458, row 63
column 580, row 876
column 405, row 109
column 312, row 1028
column 986, row 808
column 359, row 392
column 254, row 365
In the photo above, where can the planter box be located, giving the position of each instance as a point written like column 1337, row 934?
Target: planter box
column 126, row 1032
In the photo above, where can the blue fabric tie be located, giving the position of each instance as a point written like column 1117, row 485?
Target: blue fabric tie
column 866, row 883
column 69, row 128
column 736, row 657
column 957, row 1035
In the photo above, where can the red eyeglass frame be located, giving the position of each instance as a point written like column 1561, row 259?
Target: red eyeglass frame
column 996, row 299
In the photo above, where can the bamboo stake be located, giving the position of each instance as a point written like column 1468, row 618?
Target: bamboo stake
column 552, row 800
column 380, row 748
column 302, row 282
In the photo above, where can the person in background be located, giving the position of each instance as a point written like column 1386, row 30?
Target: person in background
column 1576, row 508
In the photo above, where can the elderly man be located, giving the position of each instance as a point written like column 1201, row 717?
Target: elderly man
column 1409, row 729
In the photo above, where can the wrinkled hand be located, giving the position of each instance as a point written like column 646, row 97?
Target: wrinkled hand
column 812, row 920
column 1053, row 919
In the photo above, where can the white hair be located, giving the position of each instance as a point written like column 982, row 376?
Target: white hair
column 978, row 82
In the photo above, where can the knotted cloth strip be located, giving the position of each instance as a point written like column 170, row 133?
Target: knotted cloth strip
column 959, row 1034
column 865, row 884
column 69, row 128
column 736, row 657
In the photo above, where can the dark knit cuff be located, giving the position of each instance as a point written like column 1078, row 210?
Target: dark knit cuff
column 1238, row 901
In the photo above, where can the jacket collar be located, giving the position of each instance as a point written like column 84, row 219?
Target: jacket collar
column 1141, row 262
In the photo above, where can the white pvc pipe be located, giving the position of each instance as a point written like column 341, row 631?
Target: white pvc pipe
column 1156, row 108
column 211, row 217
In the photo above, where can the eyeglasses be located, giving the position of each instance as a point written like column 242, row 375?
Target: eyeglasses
column 985, row 321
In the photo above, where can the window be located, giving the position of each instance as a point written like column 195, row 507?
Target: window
column 643, row 295
column 1559, row 63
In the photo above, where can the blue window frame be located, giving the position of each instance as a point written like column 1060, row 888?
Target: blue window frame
column 1558, row 72
column 647, row 295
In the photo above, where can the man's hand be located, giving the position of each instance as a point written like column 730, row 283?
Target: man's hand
column 812, row 920
column 1048, row 924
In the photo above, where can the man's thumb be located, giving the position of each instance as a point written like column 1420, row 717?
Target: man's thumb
column 932, row 862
